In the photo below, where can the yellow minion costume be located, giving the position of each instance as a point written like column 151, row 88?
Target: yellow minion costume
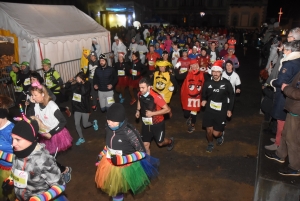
column 84, row 61
column 162, row 83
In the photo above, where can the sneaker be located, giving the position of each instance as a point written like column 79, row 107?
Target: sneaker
column 122, row 100
column 273, row 156
column 191, row 128
column 94, row 108
column 171, row 146
column 220, row 140
column 189, row 121
column 67, row 175
column 68, row 112
column 95, row 125
column 272, row 140
column 132, row 101
column 287, row 171
column 80, row 141
column 120, row 96
column 210, row 147
column 272, row 147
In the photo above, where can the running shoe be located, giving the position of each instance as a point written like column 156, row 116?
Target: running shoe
column 272, row 140
column 191, row 128
column 80, row 141
column 210, row 147
column 171, row 146
column 95, row 125
column 120, row 96
column 189, row 121
column 132, row 101
column 273, row 156
column 287, row 171
column 220, row 140
column 67, row 175
column 68, row 112
column 272, row 147
column 122, row 100
column 94, row 108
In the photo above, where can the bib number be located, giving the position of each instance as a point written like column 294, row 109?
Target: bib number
column 27, row 82
column 151, row 63
column 121, row 73
column 18, row 89
column 76, row 97
column 183, row 70
column 147, row 120
column 113, row 152
column 48, row 82
column 20, row 178
column 134, row 72
column 110, row 100
column 215, row 105
column 194, row 112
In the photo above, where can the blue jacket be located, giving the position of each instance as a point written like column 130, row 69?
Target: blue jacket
column 104, row 77
column 5, row 143
column 288, row 70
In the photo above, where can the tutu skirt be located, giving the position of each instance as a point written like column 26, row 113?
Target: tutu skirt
column 123, row 81
column 61, row 140
column 134, row 83
column 119, row 179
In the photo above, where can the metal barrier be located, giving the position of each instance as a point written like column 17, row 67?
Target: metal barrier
column 67, row 69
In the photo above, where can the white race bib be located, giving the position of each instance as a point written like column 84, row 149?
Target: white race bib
column 147, row 120
column 48, row 82
column 110, row 100
column 113, row 152
column 194, row 112
column 151, row 63
column 27, row 82
column 121, row 72
column 20, row 178
column 215, row 105
column 141, row 53
column 183, row 70
column 134, row 72
column 18, row 89
column 76, row 97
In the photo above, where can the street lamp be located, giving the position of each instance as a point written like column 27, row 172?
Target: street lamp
column 202, row 14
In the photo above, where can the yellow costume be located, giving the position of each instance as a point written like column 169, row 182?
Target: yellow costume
column 84, row 61
column 162, row 82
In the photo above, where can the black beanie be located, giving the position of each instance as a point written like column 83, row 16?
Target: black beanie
column 24, row 130
column 116, row 113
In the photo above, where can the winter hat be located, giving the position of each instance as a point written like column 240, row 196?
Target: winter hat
column 26, row 130
column 217, row 66
column 160, row 63
column 116, row 113
column 122, row 54
column 94, row 39
column 102, row 56
column 116, row 37
column 15, row 64
column 193, row 61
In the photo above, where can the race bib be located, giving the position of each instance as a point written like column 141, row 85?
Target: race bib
column 215, row 105
column 113, row 152
column 134, row 72
column 110, row 100
column 18, row 89
column 147, row 120
column 183, row 70
column 20, row 178
column 76, row 97
column 121, row 73
column 194, row 112
column 141, row 53
column 48, row 82
column 151, row 63
column 27, row 82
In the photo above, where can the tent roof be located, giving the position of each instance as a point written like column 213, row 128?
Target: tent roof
column 48, row 23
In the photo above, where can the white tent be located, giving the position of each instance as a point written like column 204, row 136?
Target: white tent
column 56, row 32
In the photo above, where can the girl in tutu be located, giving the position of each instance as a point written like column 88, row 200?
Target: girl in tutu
column 54, row 134
column 6, row 151
column 123, row 164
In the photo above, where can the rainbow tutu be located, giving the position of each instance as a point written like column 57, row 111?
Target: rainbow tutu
column 135, row 176
column 61, row 140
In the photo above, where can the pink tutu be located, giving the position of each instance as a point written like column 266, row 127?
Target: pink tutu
column 61, row 140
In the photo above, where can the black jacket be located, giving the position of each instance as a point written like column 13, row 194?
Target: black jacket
column 139, row 67
column 83, row 90
column 126, row 138
column 104, row 77
column 122, row 66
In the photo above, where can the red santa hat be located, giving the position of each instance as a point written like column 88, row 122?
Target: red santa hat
column 193, row 61
column 217, row 66
column 121, row 54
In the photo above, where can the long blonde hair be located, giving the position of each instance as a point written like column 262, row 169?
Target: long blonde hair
column 42, row 90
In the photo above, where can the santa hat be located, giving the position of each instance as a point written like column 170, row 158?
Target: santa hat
column 193, row 61
column 122, row 54
column 94, row 39
column 217, row 66
column 116, row 37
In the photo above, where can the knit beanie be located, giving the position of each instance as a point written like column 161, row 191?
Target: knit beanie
column 116, row 113
column 24, row 130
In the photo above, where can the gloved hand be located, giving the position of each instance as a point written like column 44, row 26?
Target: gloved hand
column 171, row 88
column 114, row 159
column 8, row 185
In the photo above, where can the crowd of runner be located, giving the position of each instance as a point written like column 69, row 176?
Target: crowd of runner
column 153, row 63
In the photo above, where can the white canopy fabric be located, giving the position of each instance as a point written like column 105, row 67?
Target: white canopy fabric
column 58, row 31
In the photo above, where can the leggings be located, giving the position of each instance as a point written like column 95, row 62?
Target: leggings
column 85, row 122
column 187, row 114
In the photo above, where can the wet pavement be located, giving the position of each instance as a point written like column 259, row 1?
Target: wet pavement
column 187, row 173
